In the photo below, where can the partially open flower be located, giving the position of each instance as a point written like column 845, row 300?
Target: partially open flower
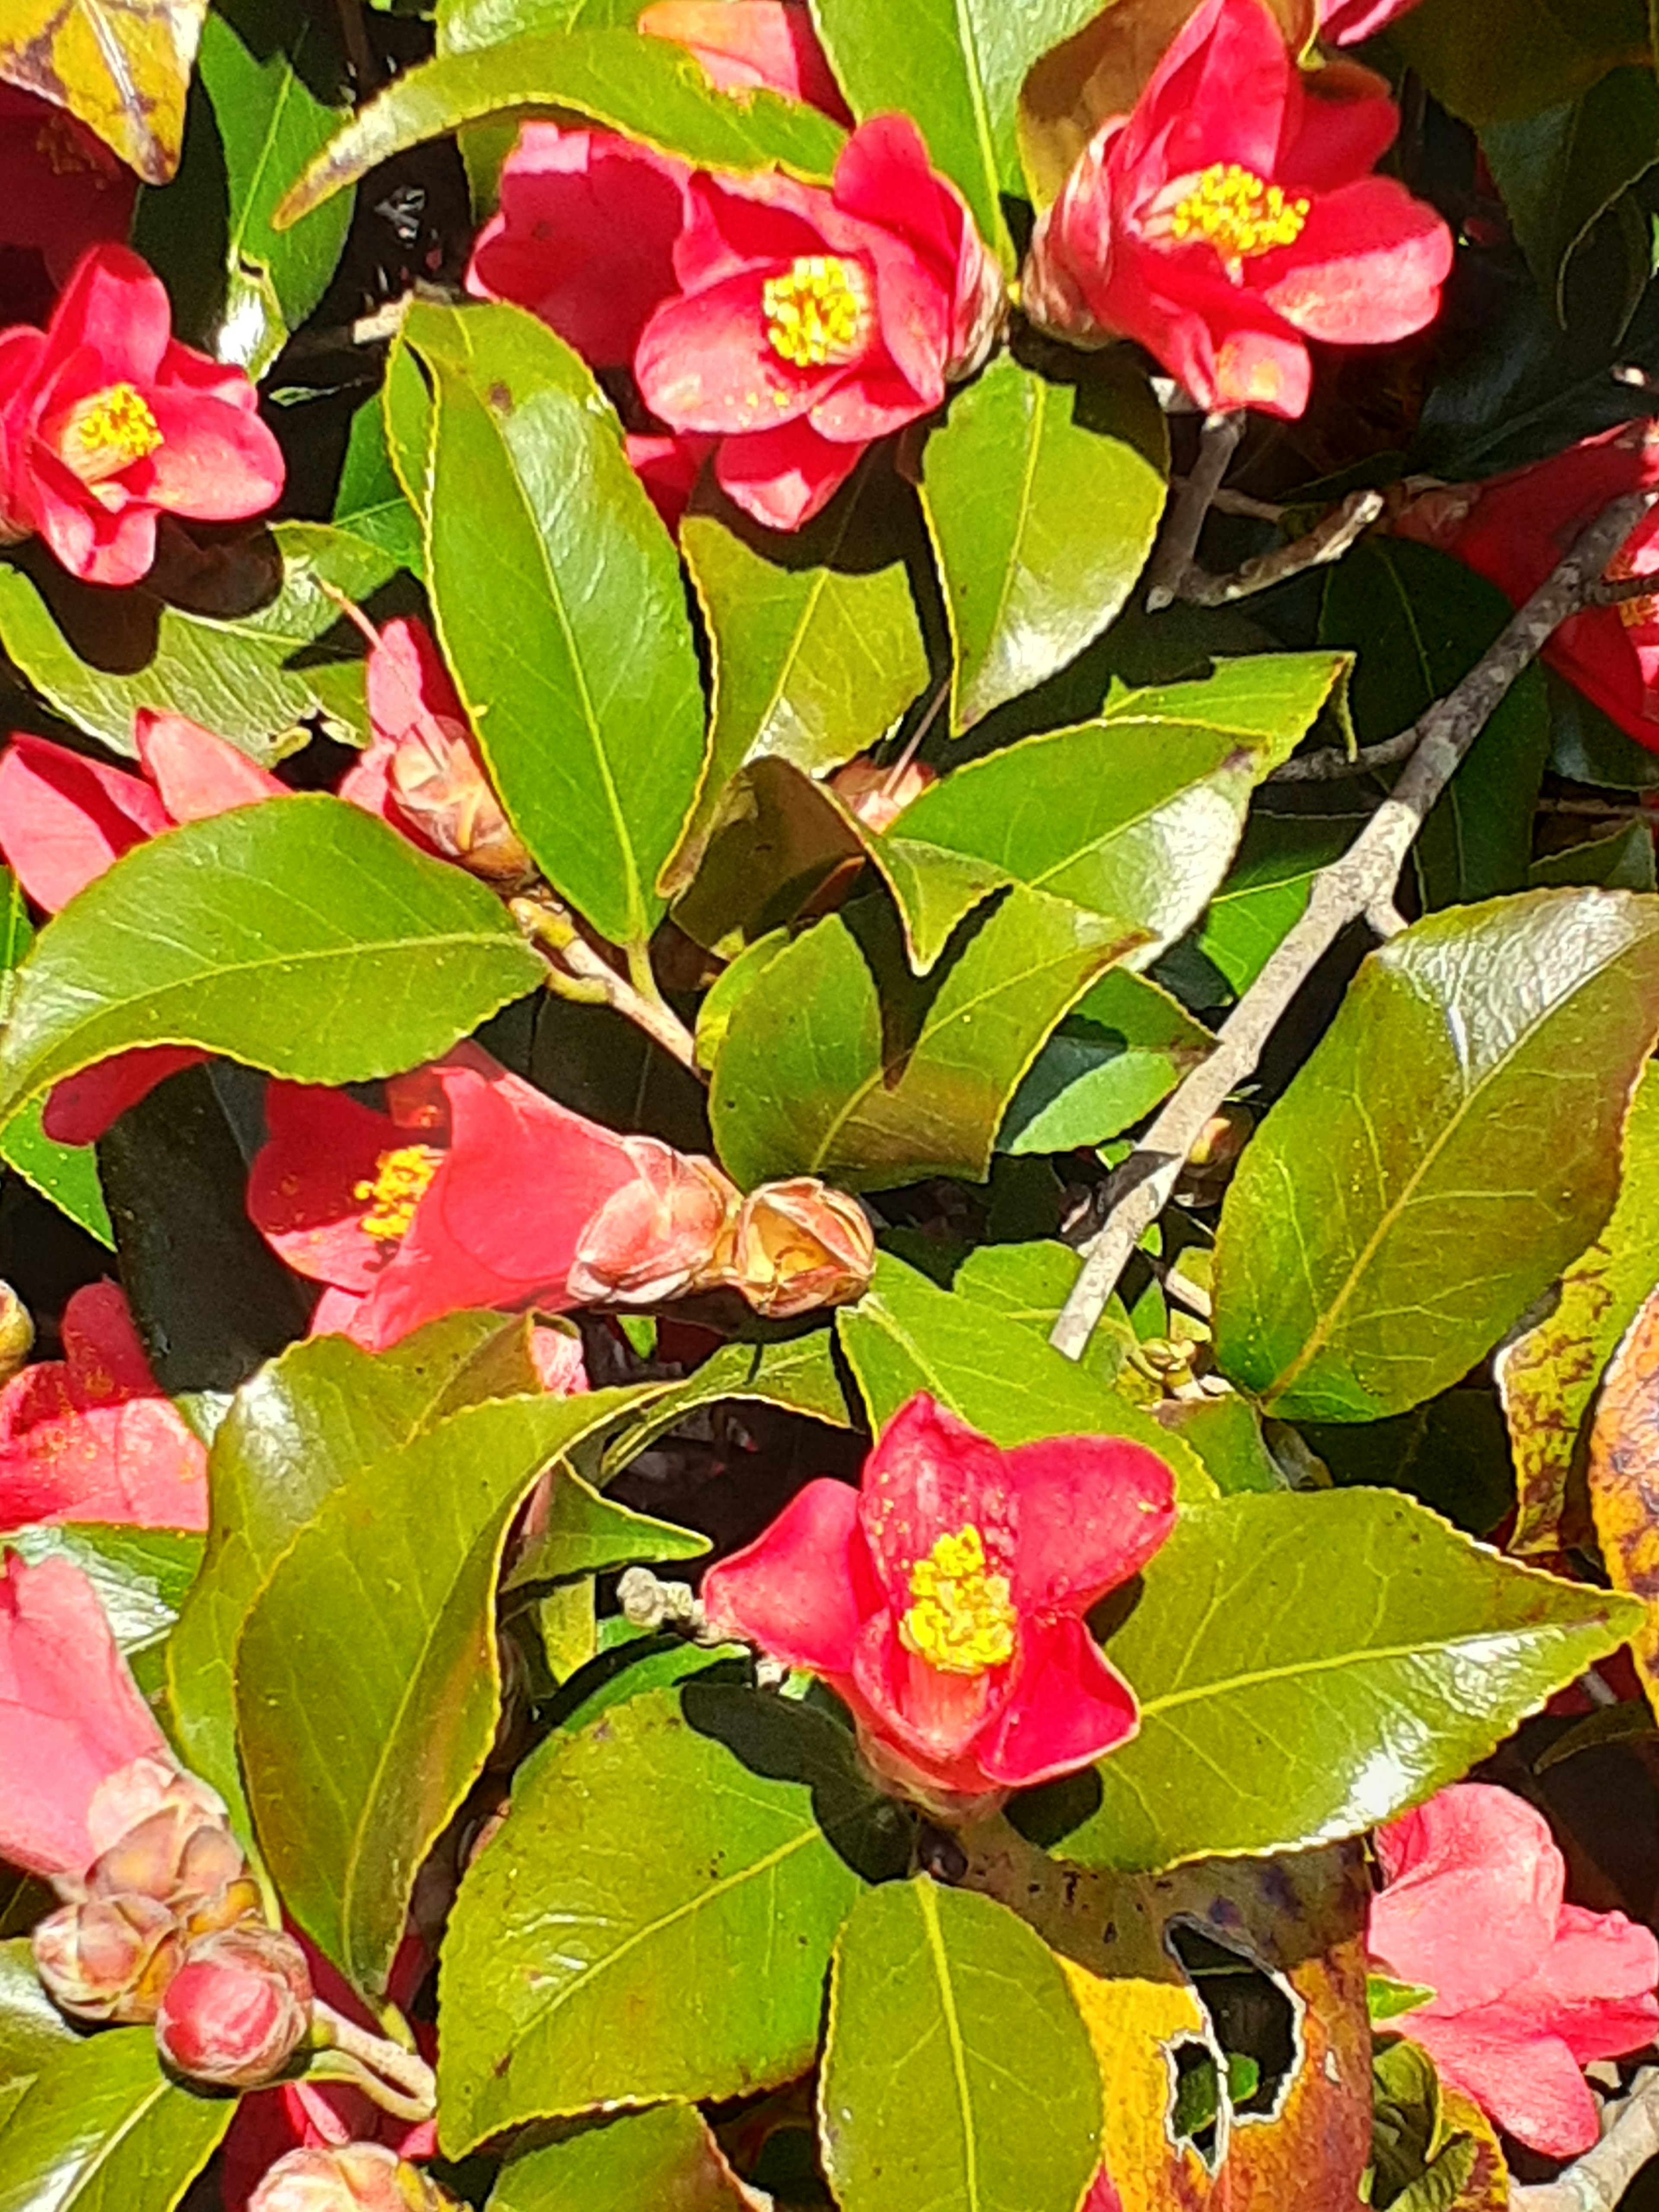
column 944, row 1602
column 110, row 1958
column 656, row 1233
column 357, row 2177
column 237, row 2009
column 797, row 1245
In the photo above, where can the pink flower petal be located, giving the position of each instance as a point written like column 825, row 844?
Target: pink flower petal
column 742, row 44
column 704, row 362
column 64, row 819
column 1066, row 1707
column 216, row 462
column 1092, row 1511
column 80, row 1107
column 931, row 1475
column 784, row 478
column 301, row 1194
column 1367, row 269
column 801, row 1591
column 1474, row 1885
column 1530, row 2085
column 197, row 773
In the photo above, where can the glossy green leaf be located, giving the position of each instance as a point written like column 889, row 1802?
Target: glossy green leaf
column 1559, row 171
column 685, row 1836
column 305, row 1425
column 257, row 651
column 906, row 1335
column 1029, row 1284
column 1124, row 1046
column 1043, row 499
column 1310, row 1665
column 586, row 1534
column 1419, row 621
column 1226, row 1434
column 644, row 87
column 816, row 645
column 370, row 502
column 1512, row 58
column 1266, row 889
column 801, row 1084
column 665, row 2160
column 1549, row 1378
column 958, row 2070
column 1450, row 1146
column 101, row 2128
column 394, row 1668
column 1138, row 813
column 303, row 937
column 957, row 66
column 561, row 611
column 66, row 1174
column 798, row 1375
column 32, row 2031
column 1621, row 862
column 465, row 24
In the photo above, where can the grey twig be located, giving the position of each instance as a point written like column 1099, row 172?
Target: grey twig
column 1596, row 2182
column 1173, row 554
column 1360, row 883
column 575, row 970
column 1332, row 765
column 1327, row 541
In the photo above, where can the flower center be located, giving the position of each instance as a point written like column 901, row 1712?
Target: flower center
column 399, row 1183
column 1237, row 212
column 818, row 313
column 105, row 433
column 962, row 1619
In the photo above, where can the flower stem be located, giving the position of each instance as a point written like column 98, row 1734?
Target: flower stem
column 403, row 2073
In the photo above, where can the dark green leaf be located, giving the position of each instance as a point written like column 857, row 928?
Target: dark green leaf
column 1279, row 1641
column 683, row 1837
column 303, row 937
column 1124, row 1046
column 644, row 87
column 798, row 1375
column 1511, row 57
column 958, row 2070
column 1451, row 1145
column 1452, row 1454
column 661, row 2161
column 1560, row 171
column 586, row 1534
column 1621, row 862
column 1226, row 1434
column 561, row 611
column 1043, row 499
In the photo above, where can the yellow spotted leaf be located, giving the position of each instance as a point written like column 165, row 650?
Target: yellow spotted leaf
column 1624, row 1480
column 1136, row 2028
column 1488, row 2187
column 123, row 66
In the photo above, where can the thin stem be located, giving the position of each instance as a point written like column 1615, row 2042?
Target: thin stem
column 1361, row 883
column 1327, row 541
column 406, row 2071
column 1173, row 557
column 573, row 961
column 895, row 774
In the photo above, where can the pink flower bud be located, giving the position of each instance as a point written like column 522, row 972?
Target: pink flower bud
column 238, row 2008
column 358, row 2177
column 799, row 1244
column 175, row 1856
column 440, row 788
column 877, row 795
column 656, row 1236
column 110, row 1958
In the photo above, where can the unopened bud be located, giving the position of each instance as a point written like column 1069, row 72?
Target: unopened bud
column 135, row 1793
column 357, row 2177
column 175, row 1856
column 438, row 783
column 238, row 2008
column 797, row 1245
column 16, row 1332
column 657, row 1235
column 879, row 795
column 110, row 1958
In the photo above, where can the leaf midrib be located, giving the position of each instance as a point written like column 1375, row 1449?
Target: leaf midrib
column 928, row 1904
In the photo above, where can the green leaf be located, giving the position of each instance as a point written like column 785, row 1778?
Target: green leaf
column 1451, row 1145
column 370, row 502
column 958, row 2070
column 798, row 1375
column 1386, row 1999
column 816, row 645
column 32, row 2031
column 685, row 1836
column 1621, row 862
column 101, row 2128
column 586, row 1534
column 957, row 66
column 804, row 1082
column 1029, row 1284
column 463, row 24
column 1509, row 58
column 393, row 1667
column 1266, row 889
column 644, row 87
column 665, row 2160
column 142, row 1576
column 260, row 653
column 1419, row 621
column 305, row 1425
column 303, row 937
column 66, row 1174
column 1278, row 1641
column 1549, row 1378
column 1124, row 1046
column 561, row 611
column 1561, row 170
column 906, row 1335
column 1136, row 814
column 1043, row 499
column 1452, row 1454
column 1226, row 1434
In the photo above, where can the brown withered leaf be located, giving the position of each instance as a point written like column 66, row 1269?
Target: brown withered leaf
column 1624, row 1480
column 123, row 66
column 1100, row 71
column 1487, row 2186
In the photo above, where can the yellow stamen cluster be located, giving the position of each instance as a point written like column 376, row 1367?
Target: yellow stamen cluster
column 818, row 313
column 1238, row 213
column 108, row 432
column 1635, row 614
column 399, row 1183
column 64, row 153
column 962, row 1619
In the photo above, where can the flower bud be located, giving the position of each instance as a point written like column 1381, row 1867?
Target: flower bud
column 440, row 785
column 142, row 1789
column 237, row 2009
column 656, row 1236
column 110, row 1958
column 799, row 1244
column 357, row 2177
column 175, row 1856
column 879, row 795
column 16, row 1332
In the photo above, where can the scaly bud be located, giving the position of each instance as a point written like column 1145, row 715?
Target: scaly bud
column 439, row 785
column 797, row 1245
column 16, row 1332
column 660, row 1233
column 357, row 2177
column 237, row 2009
column 175, row 1856
column 140, row 1789
column 110, row 1958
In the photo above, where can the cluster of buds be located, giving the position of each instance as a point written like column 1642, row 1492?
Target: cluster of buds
column 359, row 2177
column 165, row 1927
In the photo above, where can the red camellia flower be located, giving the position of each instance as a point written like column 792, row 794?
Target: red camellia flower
column 472, row 1188
column 944, row 1601
column 746, row 46
column 107, row 422
column 61, row 188
column 811, row 322
column 1528, row 1990
column 92, row 1437
column 1515, row 530
column 1345, row 22
column 84, row 1759
column 1232, row 217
